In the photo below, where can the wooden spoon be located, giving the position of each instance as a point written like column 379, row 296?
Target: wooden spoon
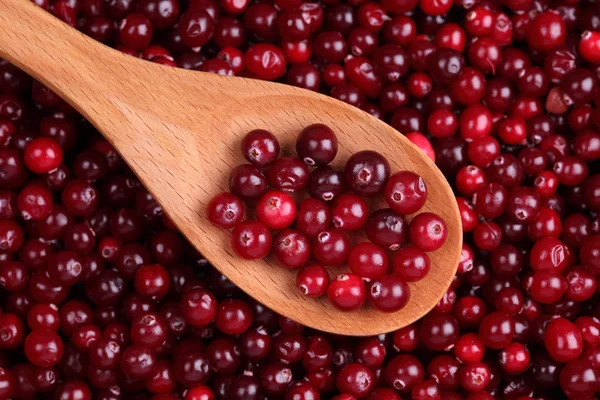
column 180, row 132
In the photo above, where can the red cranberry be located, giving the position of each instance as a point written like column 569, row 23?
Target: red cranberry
column 497, row 330
column 135, row 32
column 331, row 247
column 347, row 292
column 233, row 316
column 265, row 61
column 317, row 145
column 386, row 228
column 43, row 348
column 355, row 379
column 291, row 249
column 225, row 210
column 288, row 173
column 389, row 293
column 411, row 264
column 247, row 182
column 403, row 372
column 313, row 281
column 579, row 379
column 366, row 173
column 427, row 231
column 276, row 209
column 313, row 217
column 260, row 147
column 251, row 239
column 563, row 340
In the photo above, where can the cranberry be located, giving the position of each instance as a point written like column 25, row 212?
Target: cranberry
column 317, row 145
column 355, row 380
column 313, row 217
column 247, row 182
column 291, row 249
column 233, row 316
column 389, row 293
column 497, row 330
column 579, row 379
column 260, row 147
column 405, row 192
column 138, row 361
column 276, row 209
column 251, row 239
column 325, row 183
column 288, row 173
column 366, row 173
column 349, row 212
column 43, row 348
column 427, row 231
column 225, row 210
column 313, row 281
column 331, row 247
column 563, row 340
column 347, row 292
column 403, row 372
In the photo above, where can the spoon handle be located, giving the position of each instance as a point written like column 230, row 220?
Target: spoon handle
column 60, row 57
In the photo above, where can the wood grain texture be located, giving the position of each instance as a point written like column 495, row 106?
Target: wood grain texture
column 180, row 132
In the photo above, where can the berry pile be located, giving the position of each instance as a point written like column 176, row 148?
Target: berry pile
column 502, row 94
column 320, row 230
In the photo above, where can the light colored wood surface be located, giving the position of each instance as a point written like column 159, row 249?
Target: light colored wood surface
column 180, row 132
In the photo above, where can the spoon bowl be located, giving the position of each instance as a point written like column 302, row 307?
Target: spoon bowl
column 180, row 132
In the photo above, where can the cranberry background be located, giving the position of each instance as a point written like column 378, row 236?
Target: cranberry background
column 101, row 298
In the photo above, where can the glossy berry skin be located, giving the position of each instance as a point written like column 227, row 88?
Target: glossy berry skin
column 347, row 292
column 105, row 353
column 312, row 280
column 43, row 348
column 291, row 249
column 43, row 155
column 199, row 307
column 389, row 293
column 349, row 212
column 260, row 147
column 411, row 264
column 225, row 210
column 427, row 231
column 35, row 202
column 288, row 174
column 135, row 32
column 251, row 240
column 317, row 145
column 313, row 217
column 138, row 361
column 325, row 183
column 497, row 330
column 152, row 281
column 579, row 379
column 265, row 61
column 196, row 27
column 65, row 268
column 386, row 228
column 355, row 380
column 563, row 340
column 366, row 173
column 233, row 317
column 589, row 46
column 546, row 31
column 405, row 192
column 247, row 182
column 549, row 254
column 368, row 261
column 515, row 358
column 276, row 209
column 331, row 247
